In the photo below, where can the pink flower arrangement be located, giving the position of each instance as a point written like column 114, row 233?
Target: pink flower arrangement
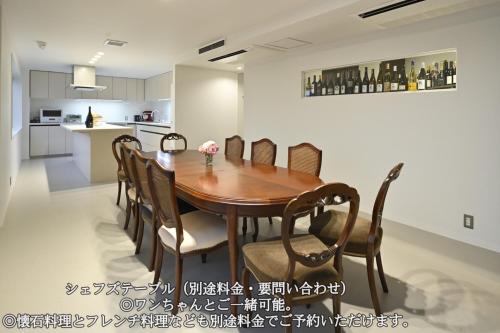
column 209, row 148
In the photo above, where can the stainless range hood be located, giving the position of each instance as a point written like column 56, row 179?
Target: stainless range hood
column 84, row 79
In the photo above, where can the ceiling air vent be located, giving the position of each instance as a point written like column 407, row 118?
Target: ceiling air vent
column 212, row 46
column 388, row 8
column 227, row 55
column 113, row 42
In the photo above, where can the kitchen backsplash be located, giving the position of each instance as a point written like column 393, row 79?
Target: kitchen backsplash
column 109, row 110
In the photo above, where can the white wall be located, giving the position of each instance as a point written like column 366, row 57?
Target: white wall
column 206, row 104
column 10, row 147
column 448, row 140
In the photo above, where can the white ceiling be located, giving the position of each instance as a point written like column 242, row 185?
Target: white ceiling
column 161, row 33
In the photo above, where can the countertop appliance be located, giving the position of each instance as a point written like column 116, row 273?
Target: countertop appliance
column 148, row 116
column 50, row 115
column 137, row 117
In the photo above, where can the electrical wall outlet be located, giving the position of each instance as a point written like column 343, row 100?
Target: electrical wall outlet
column 468, row 221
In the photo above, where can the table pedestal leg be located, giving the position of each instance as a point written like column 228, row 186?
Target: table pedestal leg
column 232, row 237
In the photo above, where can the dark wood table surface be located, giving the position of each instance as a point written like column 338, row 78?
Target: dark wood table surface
column 233, row 187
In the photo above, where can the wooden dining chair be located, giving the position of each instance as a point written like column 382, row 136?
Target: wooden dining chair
column 172, row 137
column 301, row 259
column 146, row 210
column 305, row 158
column 263, row 151
column 122, row 177
column 235, row 147
column 131, row 192
column 366, row 238
column 193, row 233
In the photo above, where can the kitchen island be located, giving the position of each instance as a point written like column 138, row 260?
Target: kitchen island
column 92, row 152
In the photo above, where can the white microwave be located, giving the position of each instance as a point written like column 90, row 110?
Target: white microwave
column 50, row 115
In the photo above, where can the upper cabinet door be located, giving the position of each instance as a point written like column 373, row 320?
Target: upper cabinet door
column 70, row 92
column 149, row 89
column 140, row 90
column 119, row 88
column 106, row 81
column 57, row 85
column 164, row 85
column 131, row 90
column 39, row 84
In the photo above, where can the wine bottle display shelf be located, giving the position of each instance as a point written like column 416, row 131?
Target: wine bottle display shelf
column 424, row 72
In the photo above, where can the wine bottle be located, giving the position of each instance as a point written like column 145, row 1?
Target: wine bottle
column 421, row 83
column 364, row 85
column 343, row 84
column 314, row 86
column 412, row 79
column 319, row 87
column 308, row 87
column 440, row 77
column 394, row 79
column 403, row 81
column 454, row 72
column 428, row 78
column 329, row 90
column 357, row 83
column 350, row 83
column 380, row 81
column 323, row 86
column 89, row 122
column 387, row 78
column 448, row 77
column 336, row 88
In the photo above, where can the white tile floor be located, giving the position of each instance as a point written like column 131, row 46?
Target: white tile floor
column 59, row 229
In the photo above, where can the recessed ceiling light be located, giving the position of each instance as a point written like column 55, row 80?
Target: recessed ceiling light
column 95, row 59
column 97, row 56
column 239, row 68
column 100, row 53
column 91, row 62
column 112, row 42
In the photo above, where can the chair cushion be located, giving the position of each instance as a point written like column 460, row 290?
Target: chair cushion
column 268, row 261
column 329, row 225
column 201, row 231
column 121, row 175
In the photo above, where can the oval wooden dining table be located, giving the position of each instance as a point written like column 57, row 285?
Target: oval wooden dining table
column 233, row 187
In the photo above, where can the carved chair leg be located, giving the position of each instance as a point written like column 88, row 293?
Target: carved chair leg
column 178, row 283
column 381, row 274
column 158, row 260
column 119, row 193
column 154, row 240
column 371, row 283
column 245, row 279
column 256, row 229
column 288, row 314
column 270, row 220
column 203, row 258
column 336, row 311
column 127, row 215
column 140, row 234
column 244, row 228
column 136, row 216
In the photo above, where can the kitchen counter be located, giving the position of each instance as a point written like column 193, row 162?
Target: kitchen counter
column 92, row 152
column 83, row 128
column 146, row 123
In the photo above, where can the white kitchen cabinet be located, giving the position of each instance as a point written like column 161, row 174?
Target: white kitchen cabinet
column 57, row 85
column 39, row 140
column 69, row 141
column 150, row 136
column 119, row 88
column 106, row 81
column 158, row 87
column 131, row 90
column 70, row 92
column 39, row 84
column 57, row 140
column 140, row 90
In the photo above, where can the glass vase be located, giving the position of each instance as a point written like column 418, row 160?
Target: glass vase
column 209, row 159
